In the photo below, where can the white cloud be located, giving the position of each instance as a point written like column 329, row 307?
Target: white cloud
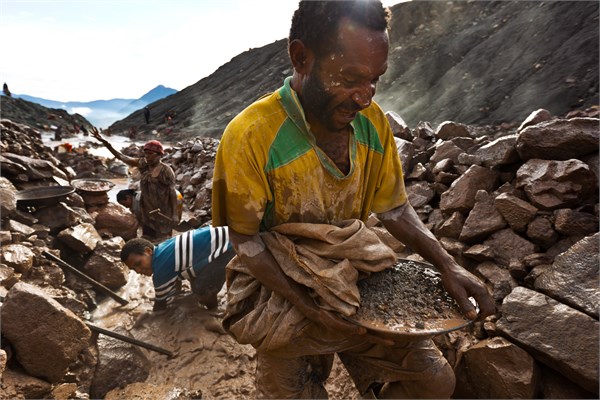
column 84, row 111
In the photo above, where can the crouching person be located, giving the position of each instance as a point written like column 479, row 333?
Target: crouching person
column 199, row 255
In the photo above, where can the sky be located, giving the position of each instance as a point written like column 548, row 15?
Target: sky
column 84, row 50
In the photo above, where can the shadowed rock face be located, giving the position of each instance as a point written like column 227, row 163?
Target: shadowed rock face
column 473, row 62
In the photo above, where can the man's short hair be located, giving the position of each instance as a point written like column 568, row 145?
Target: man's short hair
column 315, row 23
column 135, row 246
column 123, row 194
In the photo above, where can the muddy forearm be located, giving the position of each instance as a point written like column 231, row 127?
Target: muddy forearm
column 404, row 224
column 255, row 256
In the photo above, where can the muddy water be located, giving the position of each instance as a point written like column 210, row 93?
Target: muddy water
column 205, row 357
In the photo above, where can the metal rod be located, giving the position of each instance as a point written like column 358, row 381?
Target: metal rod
column 85, row 277
column 128, row 339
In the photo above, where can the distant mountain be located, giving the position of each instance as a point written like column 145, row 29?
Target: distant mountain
column 102, row 113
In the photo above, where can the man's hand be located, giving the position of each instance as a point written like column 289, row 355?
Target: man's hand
column 96, row 134
column 405, row 225
column 461, row 284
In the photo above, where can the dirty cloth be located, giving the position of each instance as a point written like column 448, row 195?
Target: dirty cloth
column 291, row 349
column 326, row 258
column 155, row 193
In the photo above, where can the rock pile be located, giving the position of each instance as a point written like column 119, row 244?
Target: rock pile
column 516, row 206
column 519, row 208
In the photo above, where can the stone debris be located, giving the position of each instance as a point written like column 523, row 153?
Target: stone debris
column 526, row 225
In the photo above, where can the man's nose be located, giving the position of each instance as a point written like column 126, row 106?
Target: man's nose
column 363, row 96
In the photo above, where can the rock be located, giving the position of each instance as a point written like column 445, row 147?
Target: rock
column 36, row 169
column 555, row 386
column 46, row 337
column 424, row 130
column 8, row 197
column 82, row 238
column 8, row 277
column 516, row 212
column 58, row 217
column 18, row 257
column 553, row 333
column 559, row 139
column 18, row 385
column 483, row 220
column 499, row 279
column 449, row 129
column 506, row 244
column 496, row 369
column 405, row 150
column 480, row 252
column 3, row 360
column 534, row 118
column 17, row 227
column 573, row 277
column 116, row 220
column 461, row 195
column 64, row 391
column 541, row 232
column 119, row 364
column 105, row 264
column 419, row 193
column 149, row 390
column 446, row 149
column 452, row 227
column 399, row 128
column 550, row 185
column 501, row 151
column 574, row 223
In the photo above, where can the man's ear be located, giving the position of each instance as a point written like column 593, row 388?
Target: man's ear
column 301, row 56
column 148, row 251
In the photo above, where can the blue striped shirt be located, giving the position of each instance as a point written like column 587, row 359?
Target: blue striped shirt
column 184, row 256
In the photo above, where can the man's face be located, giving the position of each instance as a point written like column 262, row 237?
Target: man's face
column 342, row 81
column 127, row 201
column 141, row 263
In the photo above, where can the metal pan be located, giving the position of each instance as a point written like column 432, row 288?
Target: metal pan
column 92, row 186
column 43, row 196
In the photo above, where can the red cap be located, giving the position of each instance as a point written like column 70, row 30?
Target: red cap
column 154, row 145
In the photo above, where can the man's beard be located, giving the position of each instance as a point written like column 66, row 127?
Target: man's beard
column 317, row 102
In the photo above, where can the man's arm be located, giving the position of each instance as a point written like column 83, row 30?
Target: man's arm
column 404, row 224
column 262, row 265
column 126, row 159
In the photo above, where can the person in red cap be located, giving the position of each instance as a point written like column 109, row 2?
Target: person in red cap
column 158, row 204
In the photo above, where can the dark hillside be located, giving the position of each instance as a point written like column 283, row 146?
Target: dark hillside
column 472, row 62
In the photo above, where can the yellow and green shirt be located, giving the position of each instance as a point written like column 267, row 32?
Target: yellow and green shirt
column 269, row 170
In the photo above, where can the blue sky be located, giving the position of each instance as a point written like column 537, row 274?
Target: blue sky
column 98, row 50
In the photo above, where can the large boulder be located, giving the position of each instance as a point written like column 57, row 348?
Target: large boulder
column 551, row 184
column 555, row 334
column 119, row 364
column 559, row 139
column 573, row 277
column 105, row 264
column 46, row 337
column 461, row 194
column 496, row 369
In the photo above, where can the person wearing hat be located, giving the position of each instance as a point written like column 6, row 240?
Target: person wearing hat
column 158, row 202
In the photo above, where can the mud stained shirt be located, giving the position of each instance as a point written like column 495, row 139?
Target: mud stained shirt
column 269, row 170
column 183, row 256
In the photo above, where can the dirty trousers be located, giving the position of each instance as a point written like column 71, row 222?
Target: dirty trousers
column 416, row 365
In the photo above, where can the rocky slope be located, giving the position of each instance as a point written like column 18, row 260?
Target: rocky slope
column 477, row 62
column 40, row 117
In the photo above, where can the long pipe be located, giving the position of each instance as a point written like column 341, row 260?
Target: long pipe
column 87, row 278
column 128, row 339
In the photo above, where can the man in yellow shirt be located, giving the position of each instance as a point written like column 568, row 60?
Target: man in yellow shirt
column 319, row 152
